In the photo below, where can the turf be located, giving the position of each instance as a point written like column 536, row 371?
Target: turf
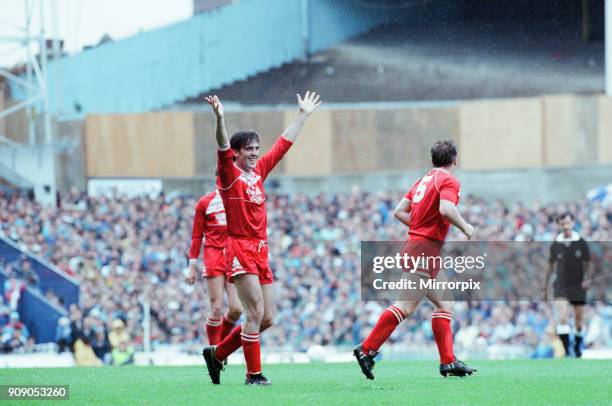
column 545, row 382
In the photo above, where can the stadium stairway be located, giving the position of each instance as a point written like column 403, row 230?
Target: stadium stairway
column 162, row 67
column 29, row 167
column 38, row 313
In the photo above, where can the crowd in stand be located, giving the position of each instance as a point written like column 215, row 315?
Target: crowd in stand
column 127, row 251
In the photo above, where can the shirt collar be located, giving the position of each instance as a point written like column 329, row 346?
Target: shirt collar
column 574, row 237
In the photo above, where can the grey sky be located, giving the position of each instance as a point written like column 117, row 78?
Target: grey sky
column 84, row 22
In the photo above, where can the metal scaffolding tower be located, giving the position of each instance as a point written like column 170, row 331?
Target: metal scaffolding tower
column 33, row 161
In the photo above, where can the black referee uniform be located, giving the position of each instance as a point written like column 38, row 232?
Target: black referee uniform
column 572, row 256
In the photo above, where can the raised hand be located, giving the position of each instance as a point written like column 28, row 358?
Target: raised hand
column 215, row 104
column 309, row 103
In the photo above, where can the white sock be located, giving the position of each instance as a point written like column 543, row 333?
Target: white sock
column 563, row 329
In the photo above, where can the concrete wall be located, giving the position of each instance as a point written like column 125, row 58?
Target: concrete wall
column 2, row 105
column 70, row 160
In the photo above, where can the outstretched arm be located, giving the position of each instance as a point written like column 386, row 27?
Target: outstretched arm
column 307, row 106
column 283, row 143
column 222, row 140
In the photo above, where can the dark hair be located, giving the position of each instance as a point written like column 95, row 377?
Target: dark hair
column 243, row 138
column 564, row 215
column 443, row 153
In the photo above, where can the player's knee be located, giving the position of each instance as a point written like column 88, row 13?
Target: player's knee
column 255, row 316
column 266, row 323
column 406, row 308
column 445, row 307
column 216, row 310
column 234, row 313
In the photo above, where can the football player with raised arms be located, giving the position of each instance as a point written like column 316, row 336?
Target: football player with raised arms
column 242, row 173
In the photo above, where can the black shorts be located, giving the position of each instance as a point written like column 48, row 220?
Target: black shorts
column 574, row 293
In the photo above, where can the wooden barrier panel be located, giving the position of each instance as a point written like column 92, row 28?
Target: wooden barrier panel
column 354, row 142
column 604, row 127
column 501, row 134
column 312, row 153
column 569, row 130
column 405, row 136
column 135, row 145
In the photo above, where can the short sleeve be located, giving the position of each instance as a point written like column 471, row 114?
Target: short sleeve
column 271, row 158
column 553, row 253
column 225, row 166
column 449, row 190
column 586, row 253
column 198, row 228
column 410, row 193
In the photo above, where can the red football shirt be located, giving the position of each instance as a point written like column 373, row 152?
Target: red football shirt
column 209, row 221
column 243, row 193
column 425, row 218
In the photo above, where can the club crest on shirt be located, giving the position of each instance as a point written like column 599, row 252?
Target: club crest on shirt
column 255, row 194
column 252, row 188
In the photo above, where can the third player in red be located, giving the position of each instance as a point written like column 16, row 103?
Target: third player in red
column 209, row 223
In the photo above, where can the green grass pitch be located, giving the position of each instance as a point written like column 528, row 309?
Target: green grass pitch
column 524, row 382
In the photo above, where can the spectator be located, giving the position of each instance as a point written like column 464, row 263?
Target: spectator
column 123, row 354
column 118, row 334
column 101, row 345
column 15, row 324
column 13, row 288
column 28, row 274
column 63, row 335
column 14, row 340
column 125, row 251
column 4, row 316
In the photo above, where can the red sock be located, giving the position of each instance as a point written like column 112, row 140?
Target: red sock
column 213, row 330
column 388, row 321
column 229, row 344
column 250, row 346
column 226, row 327
column 441, row 326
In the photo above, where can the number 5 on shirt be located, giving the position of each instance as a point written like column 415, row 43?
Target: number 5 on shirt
column 420, row 191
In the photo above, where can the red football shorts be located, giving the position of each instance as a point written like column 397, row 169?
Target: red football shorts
column 423, row 257
column 248, row 255
column 214, row 262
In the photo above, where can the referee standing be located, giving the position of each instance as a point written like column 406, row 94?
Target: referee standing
column 570, row 255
